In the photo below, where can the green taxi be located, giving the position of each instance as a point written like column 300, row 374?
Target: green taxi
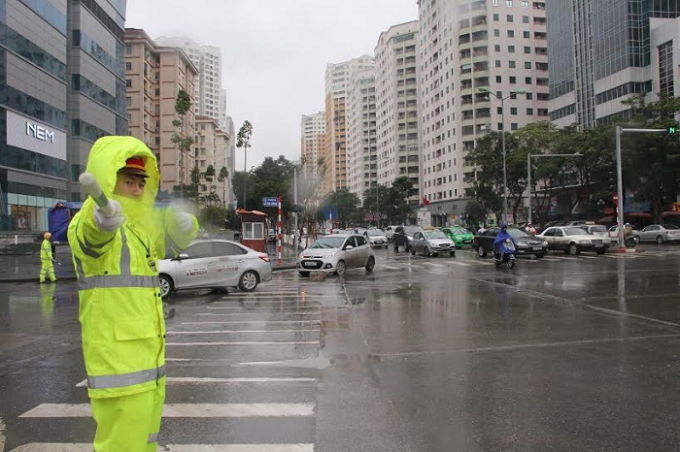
column 459, row 235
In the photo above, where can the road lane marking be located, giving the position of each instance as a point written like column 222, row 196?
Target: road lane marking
column 258, row 312
column 462, row 264
column 187, row 410
column 192, row 344
column 172, row 333
column 240, row 314
column 87, row 447
column 235, row 322
column 201, row 380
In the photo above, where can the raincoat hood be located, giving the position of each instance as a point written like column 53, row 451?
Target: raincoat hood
column 107, row 156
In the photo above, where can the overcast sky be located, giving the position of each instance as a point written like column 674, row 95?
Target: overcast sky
column 275, row 53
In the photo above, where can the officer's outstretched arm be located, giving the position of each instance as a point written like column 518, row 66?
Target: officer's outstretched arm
column 91, row 233
column 179, row 230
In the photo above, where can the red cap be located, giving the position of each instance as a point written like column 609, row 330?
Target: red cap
column 136, row 166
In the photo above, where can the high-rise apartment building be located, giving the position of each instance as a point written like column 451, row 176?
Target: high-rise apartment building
column 464, row 46
column 211, row 99
column 396, row 77
column 600, row 53
column 211, row 146
column 362, row 170
column 154, row 75
column 97, row 104
column 335, row 152
column 313, row 131
column 61, row 88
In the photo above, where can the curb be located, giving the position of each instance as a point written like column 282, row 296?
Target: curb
column 637, row 249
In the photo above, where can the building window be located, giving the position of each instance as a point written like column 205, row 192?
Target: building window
column 525, row 4
column 512, row 64
column 514, row 126
column 499, row 79
column 527, row 49
column 527, row 65
column 530, row 111
column 129, row 101
column 496, row 32
column 128, row 66
column 511, row 33
column 528, row 80
column 128, row 48
column 510, row 18
column 525, row 19
column 499, row 110
column 513, row 80
column 513, row 110
column 508, row 3
column 128, row 83
column 527, row 35
column 496, row 17
column 511, row 49
column 498, row 63
column 528, row 96
column 497, row 48
column 666, row 85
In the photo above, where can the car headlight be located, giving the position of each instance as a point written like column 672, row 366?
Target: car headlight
column 545, row 243
column 521, row 243
column 584, row 242
column 409, row 238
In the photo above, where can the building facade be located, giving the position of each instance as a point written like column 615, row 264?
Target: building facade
column 600, row 54
column 313, row 131
column 335, row 152
column 211, row 99
column 362, row 170
column 465, row 46
column 61, row 88
column 154, row 75
column 211, row 147
column 96, row 99
column 398, row 145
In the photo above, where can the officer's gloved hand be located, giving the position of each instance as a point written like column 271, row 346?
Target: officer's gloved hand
column 185, row 221
column 112, row 219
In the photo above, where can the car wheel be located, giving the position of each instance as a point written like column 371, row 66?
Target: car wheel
column 166, row 286
column 340, row 268
column 452, row 254
column 248, row 281
column 540, row 256
column 601, row 252
column 396, row 247
column 659, row 240
column 481, row 251
column 370, row 264
column 413, row 251
column 573, row 249
column 304, row 274
column 511, row 263
column 427, row 252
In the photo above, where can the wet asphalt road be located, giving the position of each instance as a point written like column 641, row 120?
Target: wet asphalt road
column 568, row 353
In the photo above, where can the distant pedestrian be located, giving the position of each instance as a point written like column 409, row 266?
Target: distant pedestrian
column 47, row 259
column 531, row 229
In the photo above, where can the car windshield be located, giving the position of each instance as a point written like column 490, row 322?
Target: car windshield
column 329, row 242
column 436, row 234
column 376, row 233
column 598, row 229
column 575, row 231
column 518, row 234
column 460, row 231
column 410, row 230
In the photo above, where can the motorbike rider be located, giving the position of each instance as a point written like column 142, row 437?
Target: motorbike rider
column 499, row 243
column 531, row 229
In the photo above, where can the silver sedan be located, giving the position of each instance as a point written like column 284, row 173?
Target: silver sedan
column 432, row 243
column 214, row 264
column 660, row 233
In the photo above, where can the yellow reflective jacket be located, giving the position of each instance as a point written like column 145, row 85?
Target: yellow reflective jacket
column 121, row 313
column 46, row 250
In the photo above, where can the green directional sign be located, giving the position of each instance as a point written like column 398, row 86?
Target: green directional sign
column 672, row 130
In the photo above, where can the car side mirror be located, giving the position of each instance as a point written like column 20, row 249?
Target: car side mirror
column 181, row 256
column 349, row 247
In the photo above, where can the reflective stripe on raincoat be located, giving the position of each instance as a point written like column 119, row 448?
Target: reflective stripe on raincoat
column 121, row 311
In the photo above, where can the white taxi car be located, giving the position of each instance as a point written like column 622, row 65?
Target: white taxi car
column 336, row 254
column 214, row 264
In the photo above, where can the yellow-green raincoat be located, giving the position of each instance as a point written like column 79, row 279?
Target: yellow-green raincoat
column 121, row 313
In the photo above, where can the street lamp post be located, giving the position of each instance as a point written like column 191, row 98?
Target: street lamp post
column 486, row 90
column 529, row 173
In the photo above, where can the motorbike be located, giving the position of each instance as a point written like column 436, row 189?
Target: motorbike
column 505, row 253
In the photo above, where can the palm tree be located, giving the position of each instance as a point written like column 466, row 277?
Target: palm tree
column 222, row 179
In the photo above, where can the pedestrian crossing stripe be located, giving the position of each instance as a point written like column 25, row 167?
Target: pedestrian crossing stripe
column 87, row 447
column 183, row 410
column 201, row 380
column 260, row 312
column 173, row 333
column 227, row 314
column 196, row 344
column 234, row 322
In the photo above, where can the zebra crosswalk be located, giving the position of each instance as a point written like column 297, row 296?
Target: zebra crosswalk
column 235, row 363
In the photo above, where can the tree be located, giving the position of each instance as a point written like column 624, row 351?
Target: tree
column 222, row 179
column 475, row 212
column 180, row 138
column 377, row 202
column 243, row 141
column 401, row 190
column 344, row 201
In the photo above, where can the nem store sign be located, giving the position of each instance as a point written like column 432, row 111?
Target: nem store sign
column 27, row 133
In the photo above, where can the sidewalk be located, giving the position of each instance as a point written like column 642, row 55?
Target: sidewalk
column 26, row 267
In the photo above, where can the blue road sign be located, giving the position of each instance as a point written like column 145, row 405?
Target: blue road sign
column 270, row 202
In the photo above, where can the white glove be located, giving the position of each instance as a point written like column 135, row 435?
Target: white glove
column 185, row 221
column 112, row 220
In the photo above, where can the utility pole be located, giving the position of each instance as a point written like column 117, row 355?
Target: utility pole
column 295, row 211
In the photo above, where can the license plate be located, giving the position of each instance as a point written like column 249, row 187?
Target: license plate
column 467, row 241
column 537, row 248
column 310, row 264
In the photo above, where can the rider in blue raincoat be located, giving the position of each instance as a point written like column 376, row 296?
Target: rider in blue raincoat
column 499, row 243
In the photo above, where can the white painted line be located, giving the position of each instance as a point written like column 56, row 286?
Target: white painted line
column 195, row 380
column 259, row 312
column 192, row 344
column 87, row 447
column 188, row 410
column 462, row 264
column 173, row 333
column 235, row 322
column 240, row 314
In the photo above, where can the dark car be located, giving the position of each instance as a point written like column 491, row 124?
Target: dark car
column 525, row 243
column 403, row 235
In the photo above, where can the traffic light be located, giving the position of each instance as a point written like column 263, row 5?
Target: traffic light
column 672, row 130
